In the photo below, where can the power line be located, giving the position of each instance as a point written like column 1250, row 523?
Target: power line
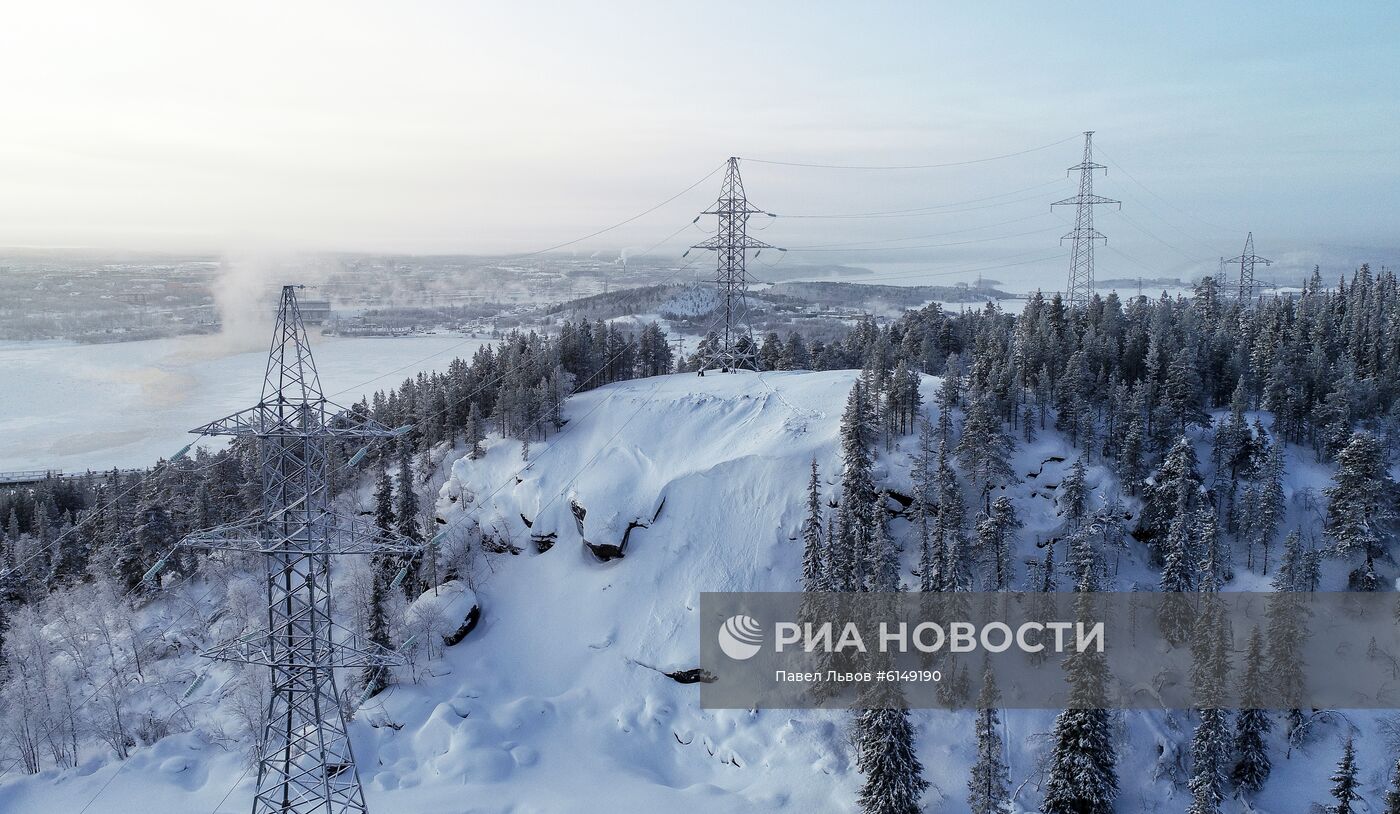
column 1149, row 191
column 930, row 245
column 923, row 236
column 934, row 209
column 619, row 224
column 911, row 166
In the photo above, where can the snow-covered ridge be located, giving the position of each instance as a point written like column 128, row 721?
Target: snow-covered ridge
column 558, row 700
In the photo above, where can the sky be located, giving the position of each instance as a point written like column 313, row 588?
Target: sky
column 462, row 127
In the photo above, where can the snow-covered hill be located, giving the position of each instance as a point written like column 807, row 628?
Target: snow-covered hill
column 559, row 700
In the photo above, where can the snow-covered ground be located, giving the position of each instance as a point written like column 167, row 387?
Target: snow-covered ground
column 76, row 407
column 557, row 701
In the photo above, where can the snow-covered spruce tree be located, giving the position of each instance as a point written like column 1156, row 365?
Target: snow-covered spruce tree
column 1253, row 723
column 1174, row 492
column 1345, row 787
column 985, row 450
column 828, row 567
column 883, row 568
column 949, row 397
column 1175, row 614
column 1074, row 493
column 812, row 563
column 406, row 498
column 1042, row 580
column 383, row 500
column 1083, row 774
column 1130, row 464
column 1210, row 744
column 1392, row 794
column 988, row 787
column 1028, row 421
column 950, row 532
column 1360, row 498
column 1182, row 392
column 153, row 535
column 406, row 517
column 857, row 489
column 831, row 566
column 925, row 500
column 475, row 433
column 70, row 556
column 1211, row 545
column 375, row 677
column 1209, row 747
column 795, row 353
column 995, row 533
column 902, row 401
column 1283, row 648
column 1268, row 508
column 1286, row 578
column 894, row 777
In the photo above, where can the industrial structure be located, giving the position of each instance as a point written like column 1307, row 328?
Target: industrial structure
column 1080, row 289
column 1247, row 290
column 735, row 347
column 304, row 759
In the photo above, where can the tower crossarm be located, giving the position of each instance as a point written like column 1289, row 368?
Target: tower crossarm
column 1087, row 199
column 718, row 242
column 335, row 646
column 1090, row 234
column 320, row 417
column 293, row 532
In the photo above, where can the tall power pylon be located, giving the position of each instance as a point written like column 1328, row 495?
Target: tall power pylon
column 304, row 761
column 1081, row 264
column 1247, row 261
column 731, row 244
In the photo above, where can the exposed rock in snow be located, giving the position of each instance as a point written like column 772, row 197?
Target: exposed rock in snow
column 449, row 611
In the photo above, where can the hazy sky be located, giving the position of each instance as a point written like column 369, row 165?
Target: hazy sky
column 510, row 126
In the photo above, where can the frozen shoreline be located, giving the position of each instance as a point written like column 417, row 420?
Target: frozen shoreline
column 69, row 406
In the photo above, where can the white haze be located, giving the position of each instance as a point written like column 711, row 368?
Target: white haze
column 473, row 127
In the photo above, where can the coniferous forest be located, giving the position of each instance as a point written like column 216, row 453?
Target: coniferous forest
column 1137, row 386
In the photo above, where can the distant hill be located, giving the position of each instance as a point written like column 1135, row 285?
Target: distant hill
column 864, row 295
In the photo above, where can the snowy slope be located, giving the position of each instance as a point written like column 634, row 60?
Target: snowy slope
column 558, row 702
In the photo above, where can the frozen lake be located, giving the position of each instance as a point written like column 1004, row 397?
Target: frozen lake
column 76, row 407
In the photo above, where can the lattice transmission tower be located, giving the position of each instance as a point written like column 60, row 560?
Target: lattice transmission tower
column 731, row 243
column 1247, row 260
column 1080, row 289
column 304, row 760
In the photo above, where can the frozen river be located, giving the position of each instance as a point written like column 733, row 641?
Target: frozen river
column 76, row 407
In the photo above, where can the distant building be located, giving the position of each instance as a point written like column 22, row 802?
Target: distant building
column 315, row 312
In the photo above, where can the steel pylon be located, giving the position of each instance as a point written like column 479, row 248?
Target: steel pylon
column 305, row 763
column 1247, row 260
column 1080, row 289
column 731, row 243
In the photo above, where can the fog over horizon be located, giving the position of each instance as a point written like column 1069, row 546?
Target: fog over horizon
column 436, row 128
